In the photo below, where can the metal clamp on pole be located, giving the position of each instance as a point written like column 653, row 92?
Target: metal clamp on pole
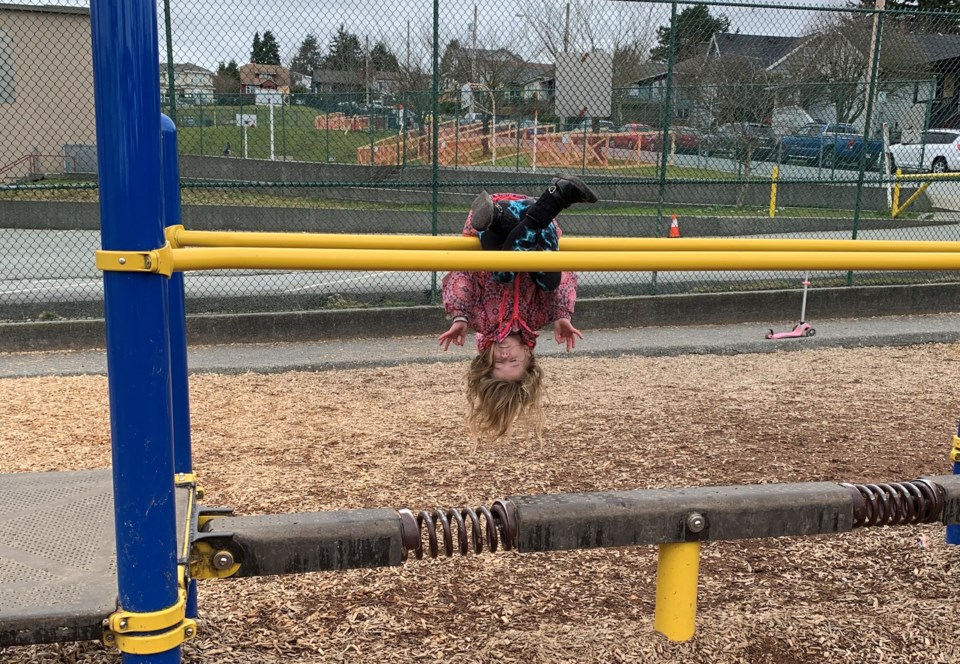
column 149, row 633
column 157, row 261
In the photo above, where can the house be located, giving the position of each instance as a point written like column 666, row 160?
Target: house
column 299, row 81
column 46, row 90
column 766, row 52
column 534, row 78
column 936, row 92
column 355, row 83
column 191, row 82
column 256, row 78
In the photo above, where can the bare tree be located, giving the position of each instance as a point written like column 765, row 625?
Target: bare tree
column 739, row 94
column 835, row 63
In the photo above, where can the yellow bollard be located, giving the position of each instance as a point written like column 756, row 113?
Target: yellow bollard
column 895, row 205
column 678, row 569
column 773, row 191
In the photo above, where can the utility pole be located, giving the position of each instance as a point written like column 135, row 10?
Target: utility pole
column 408, row 47
column 473, row 56
column 366, row 75
column 566, row 30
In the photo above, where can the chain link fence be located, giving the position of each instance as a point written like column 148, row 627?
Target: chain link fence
column 736, row 120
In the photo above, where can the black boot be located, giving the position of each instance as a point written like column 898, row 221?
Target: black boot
column 481, row 212
column 564, row 191
column 570, row 190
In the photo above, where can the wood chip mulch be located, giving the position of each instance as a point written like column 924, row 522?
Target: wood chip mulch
column 395, row 438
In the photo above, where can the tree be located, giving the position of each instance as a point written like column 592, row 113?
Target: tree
column 308, row 57
column 270, row 50
column 454, row 64
column 694, row 29
column 382, row 58
column 345, row 52
column 227, row 78
column 256, row 52
column 836, row 72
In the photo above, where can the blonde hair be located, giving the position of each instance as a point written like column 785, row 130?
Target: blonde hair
column 494, row 404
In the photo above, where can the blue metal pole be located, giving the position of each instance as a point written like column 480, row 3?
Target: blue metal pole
column 182, row 452
column 127, row 103
column 953, row 532
column 182, row 455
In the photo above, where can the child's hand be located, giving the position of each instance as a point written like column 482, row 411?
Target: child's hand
column 565, row 332
column 456, row 334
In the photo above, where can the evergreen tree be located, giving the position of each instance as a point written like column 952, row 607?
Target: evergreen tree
column 345, row 52
column 382, row 58
column 695, row 28
column 455, row 64
column 270, row 50
column 308, row 57
column 256, row 53
column 227, row 78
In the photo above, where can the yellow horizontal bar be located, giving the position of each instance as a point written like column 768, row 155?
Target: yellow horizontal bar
column 461, row 243
column 551, row 261
column 930, row 176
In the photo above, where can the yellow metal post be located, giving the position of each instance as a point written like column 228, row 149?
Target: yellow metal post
column 773, row 191
column 895, row 207
column 678, row 570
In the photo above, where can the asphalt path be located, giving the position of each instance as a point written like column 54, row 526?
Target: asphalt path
column 649, row 341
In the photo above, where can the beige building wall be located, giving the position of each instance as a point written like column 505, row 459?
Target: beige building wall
column 49, row 101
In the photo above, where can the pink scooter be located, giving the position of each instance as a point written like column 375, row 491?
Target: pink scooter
column 801, row 329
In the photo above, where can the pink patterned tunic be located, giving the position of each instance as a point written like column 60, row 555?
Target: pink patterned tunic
column 493, row 309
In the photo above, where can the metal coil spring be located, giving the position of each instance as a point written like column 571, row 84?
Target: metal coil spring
column 896, row 503
column 473, row 527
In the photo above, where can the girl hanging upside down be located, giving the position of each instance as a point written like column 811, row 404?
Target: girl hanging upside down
column 505, row 309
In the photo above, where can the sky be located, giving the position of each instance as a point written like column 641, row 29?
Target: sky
column 207, row 32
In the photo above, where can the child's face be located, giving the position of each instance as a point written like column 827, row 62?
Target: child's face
column 511, row 359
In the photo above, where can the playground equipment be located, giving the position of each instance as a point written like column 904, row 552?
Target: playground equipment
column 801, row 329
column 142, row 597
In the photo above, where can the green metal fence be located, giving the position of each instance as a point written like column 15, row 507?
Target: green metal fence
column 752, row 119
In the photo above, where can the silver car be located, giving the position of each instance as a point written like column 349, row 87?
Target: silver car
column 938, row 151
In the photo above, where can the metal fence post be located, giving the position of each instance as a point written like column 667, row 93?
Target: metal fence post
column 125, row 65
column 871, row 93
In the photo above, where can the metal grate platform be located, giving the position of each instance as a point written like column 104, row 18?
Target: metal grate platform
column 58, row 574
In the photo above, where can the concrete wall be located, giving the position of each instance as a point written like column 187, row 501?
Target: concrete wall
column 49, row 215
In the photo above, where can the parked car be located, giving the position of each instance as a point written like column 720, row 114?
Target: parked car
column 685, row 140
column 937, row 151
column 828, row 145
column 634, row 135
column 603, row 126
column 740, row 139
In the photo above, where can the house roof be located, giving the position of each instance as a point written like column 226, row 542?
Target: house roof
column 46, row 9
column 533, row 71
column 249, row 74
column 765, row 50
column 938, row 47
column 186, row 68
column 648, row 72
column 337, row 76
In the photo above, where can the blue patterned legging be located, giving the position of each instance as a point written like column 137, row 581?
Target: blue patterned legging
column 510, row 231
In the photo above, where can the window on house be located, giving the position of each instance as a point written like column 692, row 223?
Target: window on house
column 8, row 90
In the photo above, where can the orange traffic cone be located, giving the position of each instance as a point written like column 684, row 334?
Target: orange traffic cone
column 674, row 228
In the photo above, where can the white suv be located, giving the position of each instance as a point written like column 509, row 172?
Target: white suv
column 938, row 151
